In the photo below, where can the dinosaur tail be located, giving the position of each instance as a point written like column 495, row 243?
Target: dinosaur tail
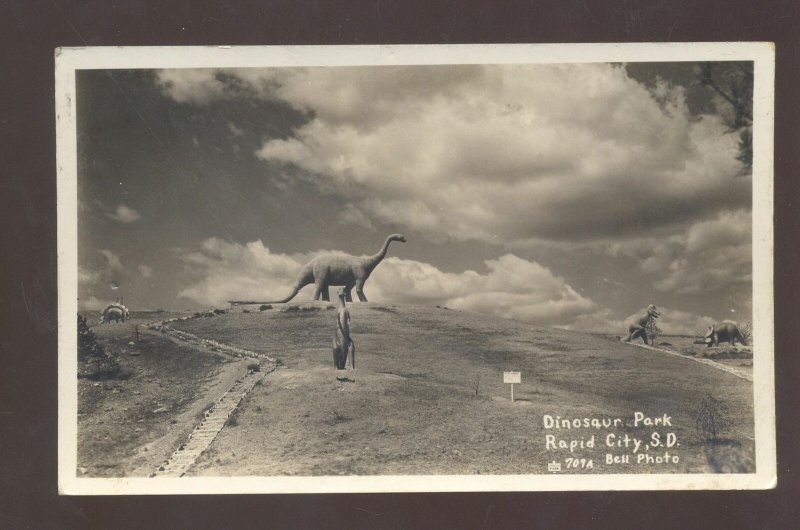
column 294, row 292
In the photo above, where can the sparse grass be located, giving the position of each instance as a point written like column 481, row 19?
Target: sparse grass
column 336, row 418
column 416, row 371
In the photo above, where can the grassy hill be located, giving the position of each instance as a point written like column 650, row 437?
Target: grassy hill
column 427, row 398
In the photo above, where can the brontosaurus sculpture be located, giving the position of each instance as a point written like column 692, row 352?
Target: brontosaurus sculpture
column 343, row 345
column 638, row 327
column 335, row 270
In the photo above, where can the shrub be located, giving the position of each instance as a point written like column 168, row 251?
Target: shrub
column 253, row 367
column 265, row 307
column 220, row 311
column 746, row 329
column 93, row 361
column 246, row 311
column 712, row 418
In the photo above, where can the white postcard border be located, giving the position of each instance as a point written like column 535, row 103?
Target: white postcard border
column 68, row 60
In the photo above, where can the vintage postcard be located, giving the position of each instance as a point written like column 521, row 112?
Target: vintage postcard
column 415, row 268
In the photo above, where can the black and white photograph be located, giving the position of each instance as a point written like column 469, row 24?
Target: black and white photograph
column 415, row 268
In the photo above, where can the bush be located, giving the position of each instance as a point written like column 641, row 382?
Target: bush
column 253, row 367
column 265, row 307
column 746, row 329
column 712, row 418
column 220, row 311
column 93, row 361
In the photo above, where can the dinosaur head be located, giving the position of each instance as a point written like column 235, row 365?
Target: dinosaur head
column 397, row 237
column 652, row 311
column 709, row 338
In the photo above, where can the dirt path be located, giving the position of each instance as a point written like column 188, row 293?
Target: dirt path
column 128, row 426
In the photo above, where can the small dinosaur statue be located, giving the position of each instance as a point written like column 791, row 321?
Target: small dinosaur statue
column 343, row 345
column 638, row 327
column 335, row 270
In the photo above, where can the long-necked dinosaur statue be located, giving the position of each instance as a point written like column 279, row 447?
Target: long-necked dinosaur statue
column 335, row 270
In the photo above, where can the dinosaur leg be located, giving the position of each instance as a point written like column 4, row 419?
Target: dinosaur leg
column 639, row 332
column 360, row 291
column 348, row 294
column 318, row 286
column 326, row 294
column 352, row 355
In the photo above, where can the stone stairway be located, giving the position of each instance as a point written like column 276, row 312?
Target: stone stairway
column 213, row 422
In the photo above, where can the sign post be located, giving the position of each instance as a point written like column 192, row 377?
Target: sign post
column 512, row 378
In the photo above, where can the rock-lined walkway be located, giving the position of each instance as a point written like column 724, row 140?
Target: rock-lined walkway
column 217, row 416
column 213, row 422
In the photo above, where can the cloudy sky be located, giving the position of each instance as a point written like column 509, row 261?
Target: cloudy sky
column 568, row 195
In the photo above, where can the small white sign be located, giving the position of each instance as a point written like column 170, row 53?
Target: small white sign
column 514, row 378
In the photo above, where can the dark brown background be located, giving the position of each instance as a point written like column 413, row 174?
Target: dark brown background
column 31, row 30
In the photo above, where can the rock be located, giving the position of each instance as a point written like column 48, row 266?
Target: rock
column 131, row 343
column 83, row 470
column 159, row 410
column 134, row 353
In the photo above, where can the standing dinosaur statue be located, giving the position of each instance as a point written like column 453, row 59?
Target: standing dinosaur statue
column 335, row 270
column 343, row 344
column 638, row 326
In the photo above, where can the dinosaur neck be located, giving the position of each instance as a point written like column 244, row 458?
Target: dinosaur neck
column 373, row 261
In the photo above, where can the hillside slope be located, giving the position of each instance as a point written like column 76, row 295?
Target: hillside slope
column 427, row 398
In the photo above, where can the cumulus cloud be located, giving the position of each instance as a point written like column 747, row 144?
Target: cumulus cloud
column 92, row 303
column 710, row 256
column 113, row 262
column 512, row 287
column 233, row 271
column 126, row 215
column 560, row 152
column 86, row 276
